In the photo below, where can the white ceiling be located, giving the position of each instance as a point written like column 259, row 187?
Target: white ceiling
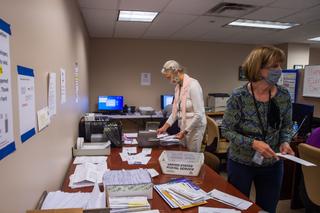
column 186, row 20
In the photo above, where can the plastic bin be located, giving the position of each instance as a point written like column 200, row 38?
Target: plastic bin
column 181, row 163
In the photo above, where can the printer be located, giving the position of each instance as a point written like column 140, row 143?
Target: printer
column 217, row 102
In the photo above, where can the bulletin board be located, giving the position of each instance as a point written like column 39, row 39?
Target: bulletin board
column 289, row 80
column 311, row 82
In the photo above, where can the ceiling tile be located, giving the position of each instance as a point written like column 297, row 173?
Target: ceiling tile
column 305, row 16
column 144, row 5
column 201, row 25
column 269, row 13
column 130, row 29
column 99, row 22
column 294, row 4
column 99, row 4
column 166, row 24
column 193, row 7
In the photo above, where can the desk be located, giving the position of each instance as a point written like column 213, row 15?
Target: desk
column 207, row 180
column 130, row 123
column 135, row 122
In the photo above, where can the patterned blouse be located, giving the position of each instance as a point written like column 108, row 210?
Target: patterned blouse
column 241, row 124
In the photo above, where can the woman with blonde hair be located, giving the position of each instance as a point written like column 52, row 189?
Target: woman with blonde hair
column 258, row 124
column 188, row 106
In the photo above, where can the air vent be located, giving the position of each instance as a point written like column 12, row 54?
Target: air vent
column 231, row 9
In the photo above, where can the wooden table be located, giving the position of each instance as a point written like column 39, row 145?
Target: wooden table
column 207, row 180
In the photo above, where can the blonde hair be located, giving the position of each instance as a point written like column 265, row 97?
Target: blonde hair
column 171, row 66
column 259, row 58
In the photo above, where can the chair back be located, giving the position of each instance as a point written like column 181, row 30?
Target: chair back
column 311, row 174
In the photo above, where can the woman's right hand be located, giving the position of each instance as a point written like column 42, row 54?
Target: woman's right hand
column 163, row 129
column 264, row 149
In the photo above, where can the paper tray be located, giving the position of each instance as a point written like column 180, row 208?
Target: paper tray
column 181, row 163
column 43, row 197
column 91, row 152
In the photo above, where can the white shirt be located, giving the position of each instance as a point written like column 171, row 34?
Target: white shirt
column 195, row 112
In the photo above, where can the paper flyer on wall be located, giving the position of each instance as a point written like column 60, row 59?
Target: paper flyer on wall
column 26, row 96
column 52, row 94
column 7, row 144
column 63, row 86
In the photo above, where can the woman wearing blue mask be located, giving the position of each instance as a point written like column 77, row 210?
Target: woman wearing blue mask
column 258, row 124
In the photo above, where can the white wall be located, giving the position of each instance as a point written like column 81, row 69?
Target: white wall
column 46, row 35
column 116, row 64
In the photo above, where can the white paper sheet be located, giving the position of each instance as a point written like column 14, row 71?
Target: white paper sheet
column 52, row 94
column 26, row 96
column 147, row 151
column 130, row 150
column 7, row 144
column 76, row 81
column 296, row 159
column 85, row 200
column 63, row 89
column 43, row 118
column 153, row 172
column 145, row 79
column 130, row 135
column 230, row 199
column 217, row 210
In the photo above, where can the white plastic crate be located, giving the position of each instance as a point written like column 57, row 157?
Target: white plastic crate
column 181, row 163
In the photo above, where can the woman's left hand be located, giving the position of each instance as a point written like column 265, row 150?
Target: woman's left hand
column 286, row 149
column 180, row 135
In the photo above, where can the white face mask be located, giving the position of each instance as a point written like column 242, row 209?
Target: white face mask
column 175, row 79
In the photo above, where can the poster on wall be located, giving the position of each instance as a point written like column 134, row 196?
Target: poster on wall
column 26, row 103
column 7, row 144
column 63, row 86
column 311, row 83
column 145, row 79
column 52, row 94
column 289, row 79
column 76, row 81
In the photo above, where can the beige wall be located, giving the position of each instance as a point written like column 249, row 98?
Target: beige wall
column 46, row 35
column 314, row 60
column 116, row 64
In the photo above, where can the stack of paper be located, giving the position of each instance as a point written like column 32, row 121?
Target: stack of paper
column 229, row 199
column 182, row 193
column 87, row 174
column 129, row 154
column 167, row 140
column 85, row 200
column 128, row 204
column 134, row 182
column 217, row 210
column 130, row 138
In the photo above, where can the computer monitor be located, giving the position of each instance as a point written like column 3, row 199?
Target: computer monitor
column 303, row 114
column 110, row 103
column 166, row 100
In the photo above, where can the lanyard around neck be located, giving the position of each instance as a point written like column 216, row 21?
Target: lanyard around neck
column 264, row 131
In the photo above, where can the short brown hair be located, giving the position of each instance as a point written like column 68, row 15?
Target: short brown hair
column 259, row 58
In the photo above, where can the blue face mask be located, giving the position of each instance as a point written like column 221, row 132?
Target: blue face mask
column 273, row 77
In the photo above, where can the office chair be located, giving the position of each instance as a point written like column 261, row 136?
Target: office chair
column 209, row 145
column 311, row 177
column 214, row 143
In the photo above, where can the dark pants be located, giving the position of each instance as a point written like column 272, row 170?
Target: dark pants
column 267, row 181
